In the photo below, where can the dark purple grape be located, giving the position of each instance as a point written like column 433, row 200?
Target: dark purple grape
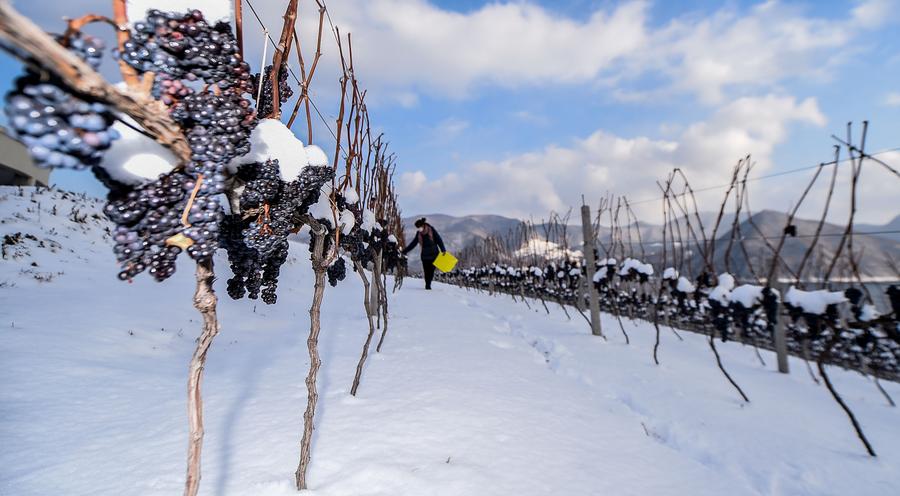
column 264, row 103
column 337, row 271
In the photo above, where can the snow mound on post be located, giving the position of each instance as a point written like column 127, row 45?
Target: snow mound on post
column 747, row 295
column 134, row 158
column 869, row 313
column 813, row 302
column 685, row 286
column 722, row 292
column 719, row 294
column 636, row 265
column 670, row 273
column 726, row 281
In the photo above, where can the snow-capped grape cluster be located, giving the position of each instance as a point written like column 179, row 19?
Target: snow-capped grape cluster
column 60, row 129
column 363, row 245
column 185, row 46
column 394, row 261
column 273, row 199
column 264, row 104
column 337, row 271
column 257, row 246
column 861, row 338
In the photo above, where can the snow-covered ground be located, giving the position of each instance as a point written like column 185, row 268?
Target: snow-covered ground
column 471, row 395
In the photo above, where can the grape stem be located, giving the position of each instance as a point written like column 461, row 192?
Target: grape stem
column 239, row 26
column 75, row 25
column 120, row 13
column 190, row 202
column 281, row 53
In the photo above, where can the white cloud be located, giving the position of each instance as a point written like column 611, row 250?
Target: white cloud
column 874, row 13
column 770, row 43
column 413, row 43
column 417, row 46
column 449, row 129
column 412, row 182
column 531, row 117
column 555, row 177
column 404, row 48
column 892, row 99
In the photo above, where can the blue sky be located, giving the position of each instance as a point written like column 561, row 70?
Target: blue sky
column 518, row 108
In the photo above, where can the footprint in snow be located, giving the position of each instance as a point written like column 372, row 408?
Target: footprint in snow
column 503, row 345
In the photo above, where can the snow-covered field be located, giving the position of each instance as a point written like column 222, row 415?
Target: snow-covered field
column 472, row 395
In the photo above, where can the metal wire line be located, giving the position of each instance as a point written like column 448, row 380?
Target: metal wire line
column 768, row 176
column 294, row 75
column 775, row 236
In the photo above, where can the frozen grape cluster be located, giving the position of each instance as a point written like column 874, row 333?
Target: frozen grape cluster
column 60, row 129
column 266, row 96
column 337, row 271
column 146, row 217
column 256, row 240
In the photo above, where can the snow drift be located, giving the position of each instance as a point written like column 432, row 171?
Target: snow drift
column 472, row 395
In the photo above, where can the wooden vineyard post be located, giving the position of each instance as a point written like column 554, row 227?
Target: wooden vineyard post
column 580, row 293
column 588, row 232
column 780, row 337
column 781, row 343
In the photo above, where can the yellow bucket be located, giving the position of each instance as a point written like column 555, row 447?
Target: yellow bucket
column 445, row 262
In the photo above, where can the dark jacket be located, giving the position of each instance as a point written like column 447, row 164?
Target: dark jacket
column 429, row 244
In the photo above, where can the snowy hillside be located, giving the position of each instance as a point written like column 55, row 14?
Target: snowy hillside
column 471, row 395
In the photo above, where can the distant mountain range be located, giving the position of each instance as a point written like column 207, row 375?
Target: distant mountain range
column 879, row 253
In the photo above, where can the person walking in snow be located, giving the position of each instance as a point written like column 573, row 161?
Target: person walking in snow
column 432, row 244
